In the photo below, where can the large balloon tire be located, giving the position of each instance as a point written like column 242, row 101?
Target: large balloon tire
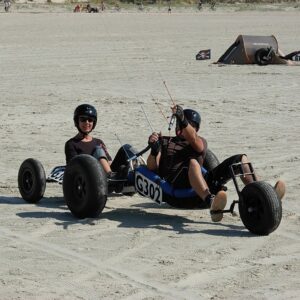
column 85, row 187
column 260, row 208
column 31, row 180
column 210, row 162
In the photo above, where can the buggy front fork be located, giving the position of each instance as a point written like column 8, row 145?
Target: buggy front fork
column 237, row 171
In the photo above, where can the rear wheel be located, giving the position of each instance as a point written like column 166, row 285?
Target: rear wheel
column 260, row 208
column 31, row 180
column 85, row 187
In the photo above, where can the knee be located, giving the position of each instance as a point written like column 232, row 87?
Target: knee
column 244, row 158
column 129, row 149
column 195, row 174
column 126, row 146
column 194, row 163
column 99, row 153
column 194, row 167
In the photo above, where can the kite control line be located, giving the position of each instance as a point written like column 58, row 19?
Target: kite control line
column 169, row 92
column 159, row 108
column 173, row 118
column 147, row 119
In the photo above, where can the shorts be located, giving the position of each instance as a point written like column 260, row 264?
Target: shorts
column 179, row 178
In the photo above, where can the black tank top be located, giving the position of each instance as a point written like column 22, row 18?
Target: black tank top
column 176, row 153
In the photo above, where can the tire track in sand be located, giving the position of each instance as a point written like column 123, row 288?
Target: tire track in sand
column 95, row 267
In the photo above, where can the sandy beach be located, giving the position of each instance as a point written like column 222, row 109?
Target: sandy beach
column 52, row 62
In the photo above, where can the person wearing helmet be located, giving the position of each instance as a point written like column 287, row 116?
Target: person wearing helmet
column 85, row 120
column 179, row 159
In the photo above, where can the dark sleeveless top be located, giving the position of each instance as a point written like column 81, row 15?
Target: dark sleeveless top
column 176, row 153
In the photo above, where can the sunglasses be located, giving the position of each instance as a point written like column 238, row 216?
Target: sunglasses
column 84, row 119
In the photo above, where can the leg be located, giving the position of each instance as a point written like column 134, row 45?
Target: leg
column 105, row 165
column 279, row 185
column 222, row 174
column 199, row 184
column 280, row 189
column 196, row 179
column 100, row 155
column 122, row 156
column 246, row 178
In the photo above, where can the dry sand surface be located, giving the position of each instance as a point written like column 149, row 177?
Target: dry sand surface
column 51, row 62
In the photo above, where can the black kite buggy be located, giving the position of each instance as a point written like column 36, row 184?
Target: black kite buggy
column 86, row 189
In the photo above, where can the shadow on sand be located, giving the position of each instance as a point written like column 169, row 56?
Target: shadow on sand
column 133, row 217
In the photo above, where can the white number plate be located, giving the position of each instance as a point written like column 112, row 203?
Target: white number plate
column 148, row 188
column 57, row 174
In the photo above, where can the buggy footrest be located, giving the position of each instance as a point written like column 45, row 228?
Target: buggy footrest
column 230, row 210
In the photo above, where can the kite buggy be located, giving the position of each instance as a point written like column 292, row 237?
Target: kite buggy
column 86, row 189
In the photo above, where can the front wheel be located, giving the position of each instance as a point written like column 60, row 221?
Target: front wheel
column 85, row 187
column 31, row 180
column 260, row 208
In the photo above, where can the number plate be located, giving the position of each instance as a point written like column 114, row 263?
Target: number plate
column 57, row 174
column 148, row 188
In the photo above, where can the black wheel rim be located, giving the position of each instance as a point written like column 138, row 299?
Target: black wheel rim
column 80, row 189
column 254, row 208
column 27, row 181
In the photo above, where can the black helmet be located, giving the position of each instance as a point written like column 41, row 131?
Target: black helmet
column 85, row 110
column 193, row 117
